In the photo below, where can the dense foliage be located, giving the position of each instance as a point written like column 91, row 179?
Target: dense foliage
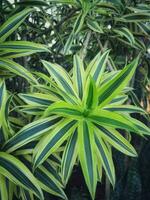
column 74, row 113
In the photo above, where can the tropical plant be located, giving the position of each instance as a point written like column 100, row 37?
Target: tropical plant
column 71, row 117
column 81, row 112
column 16, row 177
column 15, row 49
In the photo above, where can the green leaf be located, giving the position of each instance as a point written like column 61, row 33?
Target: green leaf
column 4, row 131
column 69, row 157
column 116, row 140
column 105, row 157
column 25, row 195
column 48, row 182
column 32, row 110
column 30, row 132
column 76, row 28
column 3, row 188
column 78, row 75
column 14, row 49
column 17, row 69
column 125, row 109
column 33, row 3
column 18, row 173
column 48, row 144
column 112, row 88
column 90, row 96
column 38, row 99
column 112, row 119
column 118, row 100
column 13, row 23
column 78, row 23
column 87, row 155
column 135, row 17
column 108, row 5
column 69, row 43
column 97, row 66
column 63, row 1
column 145, row 28
column 142, row 128
column 47, row 177
column 94, row 26
column 63, row 109
column 61, row 77
column 125, row 32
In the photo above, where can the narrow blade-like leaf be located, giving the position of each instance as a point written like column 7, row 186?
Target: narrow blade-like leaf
column 87, row 155
column 48, row 144
column 17, row 172
column 112, row 88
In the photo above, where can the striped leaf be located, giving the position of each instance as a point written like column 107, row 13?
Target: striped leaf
column 92, row 63
column 112, row 88
column 17, row 69
column 97, row 66
column 48, row 144
column 32, row 3
column 13, row 23
column 30, row 132
column 64, row 1
column 112, row 119
column 2, row 93
column 4, row 132
column 32, row 110
column 14, row 49
column 64, row 109
column 52, row 164
column 48, row 182
column 116, row 140
column 142, row 128
column 108, row 5
column 99, row 170
column 124, row 109
column 38, row 99
column 87, row 155
column 78, row 75
column 61, row 77
column 76, row 28
column 18, row 173
column 139, row 44
column 135, row 17
column 25, row 195
column 26, row 149
column 3, row 188
column 94, row 26
column 62, row 95
column 78, row 23
column 90, row 96
column 68, row 44
column 144, row 28
column 47, row 177
column 119, row 99
column 105, row 157
column 69, row 157
column 108, row 76
column 124, row 32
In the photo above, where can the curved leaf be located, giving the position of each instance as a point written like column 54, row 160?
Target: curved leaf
column 17, row 172
column 30, row 132
column 52, row 141
column 13, row 23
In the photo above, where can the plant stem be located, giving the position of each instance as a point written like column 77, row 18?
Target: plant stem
column 107, row 189
column 103, row 48
column 83, row 51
